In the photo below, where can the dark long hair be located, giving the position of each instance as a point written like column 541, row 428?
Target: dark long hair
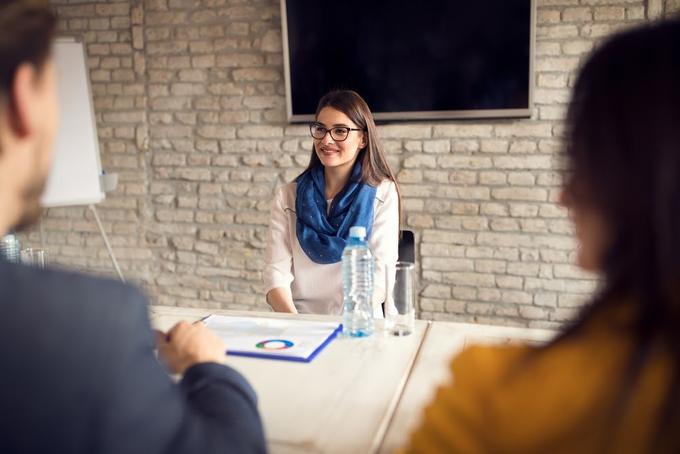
column 623, row 160
column 374, row 167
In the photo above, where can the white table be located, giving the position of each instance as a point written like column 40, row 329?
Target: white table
column 341, row 402
column 441, row 343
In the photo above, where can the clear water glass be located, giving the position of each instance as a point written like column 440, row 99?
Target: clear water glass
column 400, row 304
column 34, row 257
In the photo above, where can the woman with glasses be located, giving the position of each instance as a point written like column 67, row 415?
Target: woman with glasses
column 610, row 382
column 346, row 183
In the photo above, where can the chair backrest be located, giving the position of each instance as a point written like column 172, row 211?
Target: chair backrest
column 407, row 248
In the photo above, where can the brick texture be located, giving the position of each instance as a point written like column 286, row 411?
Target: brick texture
column 190, row 106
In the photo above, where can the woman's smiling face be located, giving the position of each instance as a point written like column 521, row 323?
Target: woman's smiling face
column 333, row 153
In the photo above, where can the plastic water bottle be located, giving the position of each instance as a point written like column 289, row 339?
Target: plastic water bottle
column 357, row 285
column 10, row 248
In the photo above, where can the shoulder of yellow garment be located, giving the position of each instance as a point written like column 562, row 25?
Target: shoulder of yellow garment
column 480, row 366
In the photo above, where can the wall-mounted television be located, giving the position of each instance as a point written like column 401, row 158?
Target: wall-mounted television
column 427, row 59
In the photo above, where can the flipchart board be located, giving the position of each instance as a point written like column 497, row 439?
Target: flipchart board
column 75, row 175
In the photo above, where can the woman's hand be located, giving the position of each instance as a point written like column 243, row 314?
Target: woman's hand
column 281, row 300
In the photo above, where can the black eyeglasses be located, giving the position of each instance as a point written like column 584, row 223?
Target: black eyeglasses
column 338, row 133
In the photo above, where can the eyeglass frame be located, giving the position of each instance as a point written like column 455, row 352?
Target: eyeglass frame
column 328, row 131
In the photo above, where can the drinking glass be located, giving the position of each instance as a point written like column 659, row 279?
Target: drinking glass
column 400, row 298
column 34, row 257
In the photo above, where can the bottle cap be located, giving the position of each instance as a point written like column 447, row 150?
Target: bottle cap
column 357, row 231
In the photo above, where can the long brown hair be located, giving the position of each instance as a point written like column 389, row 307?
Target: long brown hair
column 623, row 159
column 374, row 167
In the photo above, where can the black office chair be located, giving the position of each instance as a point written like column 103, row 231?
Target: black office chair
column 407, row 246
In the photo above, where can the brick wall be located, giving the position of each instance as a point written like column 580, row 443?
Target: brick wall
column 190, row 106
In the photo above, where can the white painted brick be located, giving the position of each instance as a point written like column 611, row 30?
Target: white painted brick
column 410, row 176
column 523, row 146
column 503, row 239
column 548, row 16
column 494, row 146
column 217, row 132
column 545, row 299
column 552, row 211
column 523, row 162
column 490, row 266
column 493, row 178
column 532, row 194
column 533, row 225
column 462, row 130
column 548, row 48
column 581, row 14
column 420, row 220
column 572, row 299
column 564, row 314
column 596, row 30
column 465, row 146
column 438, row 176
column 557, row 112
column 420, row 161
column 405, row 131
column 533, row 312
column 551, row 96
column 556, row 31
column 577, row 47
column 480, row 308
column 523, row 210
column 467, row 193
column 463, row 177
column 636, row 12
column 442, row 249
column 609, row 13
column 494, row 209
column 516, row 297
column 413, row 145
column 504, row 225
column 571, row 272
column 455, row 306
column 464, row 162
column 464, row 293
column 436, row 146
column 260, row 132
column 552, row 80
column 453, row 238
column 521, row 178
column 524, row 129
column 257, row 74
column 465, row 208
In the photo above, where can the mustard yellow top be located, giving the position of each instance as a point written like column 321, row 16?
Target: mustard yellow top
column 559, row 400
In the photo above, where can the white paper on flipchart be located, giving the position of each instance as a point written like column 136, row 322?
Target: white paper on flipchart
column 76, row 168
column 243, row 334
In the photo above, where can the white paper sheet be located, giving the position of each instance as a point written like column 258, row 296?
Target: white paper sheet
column 294, row 340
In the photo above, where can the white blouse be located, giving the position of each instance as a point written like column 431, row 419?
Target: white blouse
column 317, row 288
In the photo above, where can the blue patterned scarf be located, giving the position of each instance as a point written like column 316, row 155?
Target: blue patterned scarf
column 323, row 234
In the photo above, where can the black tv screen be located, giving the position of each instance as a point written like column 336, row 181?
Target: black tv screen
column 411, row 59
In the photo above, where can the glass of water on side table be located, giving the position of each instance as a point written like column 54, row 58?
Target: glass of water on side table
column 400, row 304
column 34, row 257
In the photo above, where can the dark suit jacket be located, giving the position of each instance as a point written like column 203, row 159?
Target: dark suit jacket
column 78, row 374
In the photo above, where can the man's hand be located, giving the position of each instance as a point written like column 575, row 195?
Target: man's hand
column 187, row 344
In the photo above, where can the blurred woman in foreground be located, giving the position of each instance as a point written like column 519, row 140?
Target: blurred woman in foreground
column 610, row 381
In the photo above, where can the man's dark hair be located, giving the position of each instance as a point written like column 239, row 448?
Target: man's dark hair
column 27, row 28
